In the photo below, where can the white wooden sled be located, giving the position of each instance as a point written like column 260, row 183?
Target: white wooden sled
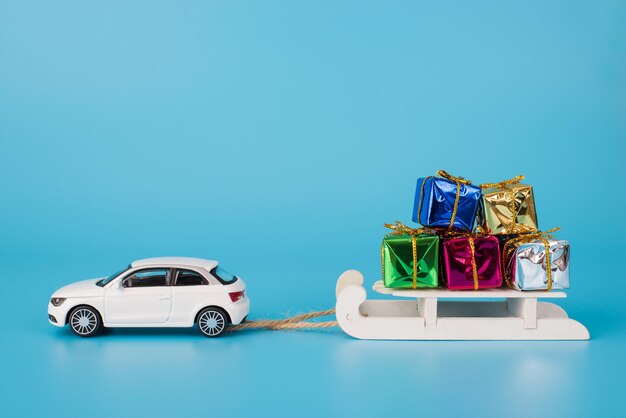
column 518, row 317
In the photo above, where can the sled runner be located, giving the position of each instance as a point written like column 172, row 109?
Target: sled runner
column 489, row 314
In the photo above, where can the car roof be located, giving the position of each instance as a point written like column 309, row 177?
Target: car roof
column 175, row 261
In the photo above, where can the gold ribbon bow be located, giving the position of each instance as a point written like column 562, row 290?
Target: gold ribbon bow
column 398, row 228
column 401, row 229
column 504, row 184
column 458, row 180
column 512, row 244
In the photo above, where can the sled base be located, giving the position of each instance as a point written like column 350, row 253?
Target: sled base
column 518, row 317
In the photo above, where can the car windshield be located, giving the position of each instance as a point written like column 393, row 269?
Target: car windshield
column 107, row 280
column 223, row 276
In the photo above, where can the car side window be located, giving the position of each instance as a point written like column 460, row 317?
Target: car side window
column 189, row 278
column 147, row 278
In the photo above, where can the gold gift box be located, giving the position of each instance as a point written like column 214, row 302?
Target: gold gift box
column 508, row 208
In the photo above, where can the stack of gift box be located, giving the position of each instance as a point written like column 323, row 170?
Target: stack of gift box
column 473, row 237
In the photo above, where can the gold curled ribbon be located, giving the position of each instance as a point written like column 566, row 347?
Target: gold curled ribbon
column 458, row 180
column 474, row 269
column 476, row 233
column 504, row 184
column 398, row 228
column 421, row 199
column 512, row 244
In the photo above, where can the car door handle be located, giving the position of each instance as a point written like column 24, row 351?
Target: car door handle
column 168, row 297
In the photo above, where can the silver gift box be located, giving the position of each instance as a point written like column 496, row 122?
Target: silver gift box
column 527, row 267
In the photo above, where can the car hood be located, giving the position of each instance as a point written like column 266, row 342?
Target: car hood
column 84, row 288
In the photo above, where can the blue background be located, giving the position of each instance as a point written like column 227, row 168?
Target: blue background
column 278, row 137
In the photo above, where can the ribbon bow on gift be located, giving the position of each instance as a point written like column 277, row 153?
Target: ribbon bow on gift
column 503, row 184
column 511, row 246
column 401, row 229
column 458, row 180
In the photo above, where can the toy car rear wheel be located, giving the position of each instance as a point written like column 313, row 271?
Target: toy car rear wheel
column 85, row 321
column 212, row 322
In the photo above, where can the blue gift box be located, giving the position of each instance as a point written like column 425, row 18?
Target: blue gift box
column 437, row 196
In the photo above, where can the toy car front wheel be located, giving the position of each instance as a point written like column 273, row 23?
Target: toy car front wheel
column 85, row 321
column 212, row 322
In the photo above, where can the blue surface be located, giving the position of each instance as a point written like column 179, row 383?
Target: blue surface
column 278, row 137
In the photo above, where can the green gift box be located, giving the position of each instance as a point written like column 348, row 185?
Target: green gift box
column 410, row 258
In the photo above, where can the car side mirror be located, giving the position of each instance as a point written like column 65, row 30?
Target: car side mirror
column 128, row 282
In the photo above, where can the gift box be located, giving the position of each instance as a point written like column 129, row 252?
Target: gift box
column 446, row 202
column 472, row 262
column 410, row 258
column 508, row 207
column 534, row 262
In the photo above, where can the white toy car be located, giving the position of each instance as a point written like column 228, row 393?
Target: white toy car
column 155, row 292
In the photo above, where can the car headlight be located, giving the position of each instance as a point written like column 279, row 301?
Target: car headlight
column 57, row 301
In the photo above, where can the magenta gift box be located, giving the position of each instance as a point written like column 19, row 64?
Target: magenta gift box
column 457, row 263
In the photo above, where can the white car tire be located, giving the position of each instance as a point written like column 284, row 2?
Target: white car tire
column 84, row 321
column 212, row 322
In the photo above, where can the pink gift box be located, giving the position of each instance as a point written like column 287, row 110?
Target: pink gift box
column 457, row 260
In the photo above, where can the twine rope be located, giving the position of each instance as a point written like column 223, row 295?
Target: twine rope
column 292, row 323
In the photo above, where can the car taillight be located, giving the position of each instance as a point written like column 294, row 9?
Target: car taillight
column 235, row 296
